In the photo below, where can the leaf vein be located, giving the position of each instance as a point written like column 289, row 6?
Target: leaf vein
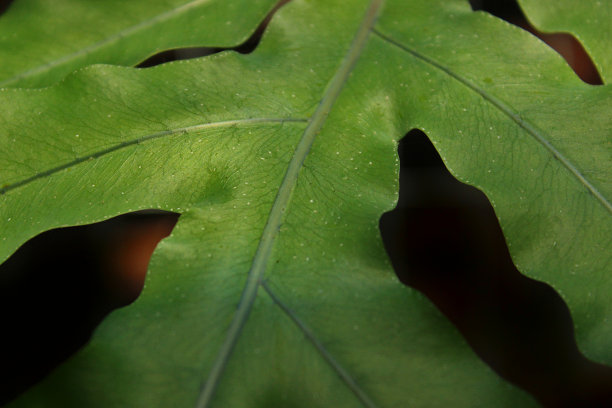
column 283, row 196
column 515, row 117
column 132, row 142
column 341, row 371
column 109, row 40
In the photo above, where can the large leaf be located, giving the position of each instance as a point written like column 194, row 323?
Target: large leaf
column 539, row 148
column 43, row 41
column 273, row 289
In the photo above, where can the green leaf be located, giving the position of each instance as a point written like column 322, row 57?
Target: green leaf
column 522, row 127
column 588, row 21
column 274, row 289
column 41, row 42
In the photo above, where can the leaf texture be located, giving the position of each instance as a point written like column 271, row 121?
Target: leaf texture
column 42, row 42
column 274, row 289
column 540, row 149
column 588, row 21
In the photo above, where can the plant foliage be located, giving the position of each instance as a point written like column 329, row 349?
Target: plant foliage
column 274, row 288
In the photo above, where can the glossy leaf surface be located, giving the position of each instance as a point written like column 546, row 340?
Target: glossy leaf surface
column 274, row 289
column 588, row 21
column 42, row 42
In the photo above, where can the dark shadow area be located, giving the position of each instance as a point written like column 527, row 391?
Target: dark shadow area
column 565, row 44
column 246, row 47
column 178, row 54
column 4, row 5
column 444, row 240
column 60, row 285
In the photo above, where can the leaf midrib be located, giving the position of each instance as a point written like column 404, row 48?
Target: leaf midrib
column 108, row 40
column 281, row 201
column 508, row 111
column 142, row 139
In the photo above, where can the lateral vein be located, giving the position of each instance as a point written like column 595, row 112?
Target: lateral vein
column 132, row 142
column 109, row 40
column 507, row 110
column 341, row 371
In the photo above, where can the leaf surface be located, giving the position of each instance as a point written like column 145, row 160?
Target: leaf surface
column 588, row 21
column 539, row 147
column 274, row 289
column 42, row 42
